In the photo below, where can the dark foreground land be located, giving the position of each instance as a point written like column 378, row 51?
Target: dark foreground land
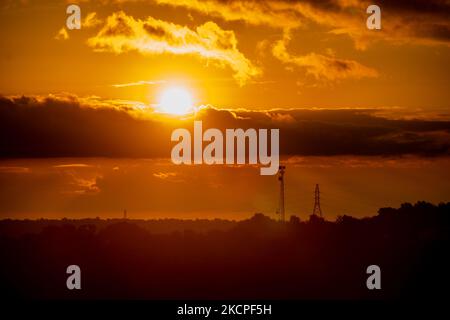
column 253, row 259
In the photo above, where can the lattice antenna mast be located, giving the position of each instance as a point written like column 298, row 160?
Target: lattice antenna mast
column 317, row 210
column 281, row 171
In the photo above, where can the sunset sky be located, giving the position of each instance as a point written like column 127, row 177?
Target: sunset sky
column 83, row 113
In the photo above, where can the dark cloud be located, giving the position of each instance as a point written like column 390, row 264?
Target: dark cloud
column 55, row 127
column 73, row 127
column 415, row 21
column 438, row 7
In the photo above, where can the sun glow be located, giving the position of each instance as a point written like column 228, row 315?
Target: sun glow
column 176, row 100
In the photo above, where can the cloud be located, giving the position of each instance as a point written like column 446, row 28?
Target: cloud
column 72, row 165
column 139, row 83
column 419, row 21
column 81, row 186
column 62, row 34
column 69, row 126
column 123, row 33
column 47, row 127
column 91, row 20
column 325, row 67
column 272, row 13
column 287, row 15
column 162, row 175
column 14, row 169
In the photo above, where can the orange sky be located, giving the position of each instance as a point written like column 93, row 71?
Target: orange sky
column 365, row 113
column 92, row 187
column 252, row 54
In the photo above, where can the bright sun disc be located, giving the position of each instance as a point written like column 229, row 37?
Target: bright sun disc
column 176, row 101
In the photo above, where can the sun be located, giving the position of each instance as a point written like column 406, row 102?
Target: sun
column 176, row 100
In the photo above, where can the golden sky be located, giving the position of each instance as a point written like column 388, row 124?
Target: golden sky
column 91, row 187
column 234, row 54
column 365, row 113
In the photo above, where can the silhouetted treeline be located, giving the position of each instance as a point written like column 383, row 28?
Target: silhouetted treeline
column 12, row 227
column 255, row 258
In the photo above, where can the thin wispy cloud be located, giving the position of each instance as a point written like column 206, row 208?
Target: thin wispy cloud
column 139, row 83
column 73, row 165
column 62, row 34
column 14, row 169
column 322, row 67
